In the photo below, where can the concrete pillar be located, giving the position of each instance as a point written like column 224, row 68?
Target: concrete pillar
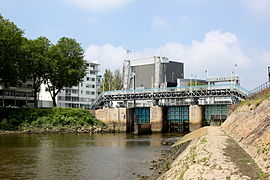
column 156, row 118
column 195, row 117
column 115, row 118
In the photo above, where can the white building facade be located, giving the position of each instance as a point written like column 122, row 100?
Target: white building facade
column 83, row 95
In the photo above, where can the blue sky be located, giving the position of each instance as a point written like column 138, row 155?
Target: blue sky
column 204, row 34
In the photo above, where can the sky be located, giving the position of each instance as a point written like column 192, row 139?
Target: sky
column 219, row 36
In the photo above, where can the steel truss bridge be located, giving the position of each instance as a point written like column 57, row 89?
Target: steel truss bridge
column 233, row 91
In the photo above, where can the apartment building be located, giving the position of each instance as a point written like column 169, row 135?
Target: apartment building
column 22, row 96
column 85, row 93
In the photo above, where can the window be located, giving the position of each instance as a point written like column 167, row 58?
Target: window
column 81, row 91
column 93, row 93
column 87, row 78
column 92, row 79
column 81, row 84
column 92, row 72
column 87, row 92
column 87, row 85
column 92, row 86
column 74, row 91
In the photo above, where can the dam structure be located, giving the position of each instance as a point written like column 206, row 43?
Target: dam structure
column 151, row 102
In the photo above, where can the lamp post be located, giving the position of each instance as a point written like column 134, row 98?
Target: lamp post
column 134, row 83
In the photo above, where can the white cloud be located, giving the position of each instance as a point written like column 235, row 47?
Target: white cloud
column 107, row 55
column 99, row 5
column 261, row 8
column 160, row 22
column 218, row 53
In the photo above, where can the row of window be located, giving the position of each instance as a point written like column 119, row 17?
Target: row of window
column 75, row 99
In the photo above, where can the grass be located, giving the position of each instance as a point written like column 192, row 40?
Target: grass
column 166, row 166
column 263, row 175
column 203, row 140
column 255, row 100
column 186, row 167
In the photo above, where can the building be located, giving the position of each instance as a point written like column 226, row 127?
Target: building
column 83, row 95
column 17, row 96
column 154, row 72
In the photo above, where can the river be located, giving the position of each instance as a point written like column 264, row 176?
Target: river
column 79, row 156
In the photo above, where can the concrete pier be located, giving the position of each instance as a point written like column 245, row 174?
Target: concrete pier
column 116, row 118
column 156, row 119
column 195, row 117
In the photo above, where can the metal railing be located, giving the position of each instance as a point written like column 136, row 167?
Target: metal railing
column 181, row 88
column 229, row 86
column 260, row 88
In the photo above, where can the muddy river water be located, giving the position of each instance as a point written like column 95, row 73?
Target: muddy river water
column 79, row 156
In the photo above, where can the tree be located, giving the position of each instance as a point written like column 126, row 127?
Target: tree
column 106, row 84
column 11, row 54
column 117, row 83
column 36, row 63
column 66, row 66
column 112, row 81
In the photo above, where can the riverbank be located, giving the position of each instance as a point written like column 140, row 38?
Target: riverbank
column 63, row 130
column 37, row 120
column 239, row 149
column 214, row 155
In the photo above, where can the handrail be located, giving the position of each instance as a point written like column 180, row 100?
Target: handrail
column 260, row 88
column 176, row 89
column 181, row 88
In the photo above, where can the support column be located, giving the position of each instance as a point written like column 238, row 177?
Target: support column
column 195, row 117
column 156, row 118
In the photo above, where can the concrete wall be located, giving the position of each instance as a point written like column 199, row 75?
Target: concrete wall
column 156, row 118
column 115, row 118
column 195, row 117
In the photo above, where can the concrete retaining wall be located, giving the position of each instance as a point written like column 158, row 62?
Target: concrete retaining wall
column 115, row 118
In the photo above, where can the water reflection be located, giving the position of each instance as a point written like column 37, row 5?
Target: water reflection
column 78, row 156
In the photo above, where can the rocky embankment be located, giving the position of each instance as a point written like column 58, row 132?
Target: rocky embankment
column 239, row 149
column 250, row 126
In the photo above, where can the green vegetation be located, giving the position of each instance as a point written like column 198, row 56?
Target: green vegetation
column 111, row 81
column 203, row 140
column 25, row 118
column 186, row 167
column 196, row 83
column 255, row 100
column 11, row 58
column 263, row 175
column 166, row 166
column 58, row 66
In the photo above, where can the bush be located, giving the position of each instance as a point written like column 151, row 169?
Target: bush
column 14, row 119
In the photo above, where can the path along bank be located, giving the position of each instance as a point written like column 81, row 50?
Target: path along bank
column 239, row 149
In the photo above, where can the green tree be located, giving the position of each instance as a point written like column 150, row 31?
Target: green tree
column 196, row 83
column 107, row 80
column 11, row 54
column 66, row 66
column 36, row 63
column 111, row 81
column 117, row 83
